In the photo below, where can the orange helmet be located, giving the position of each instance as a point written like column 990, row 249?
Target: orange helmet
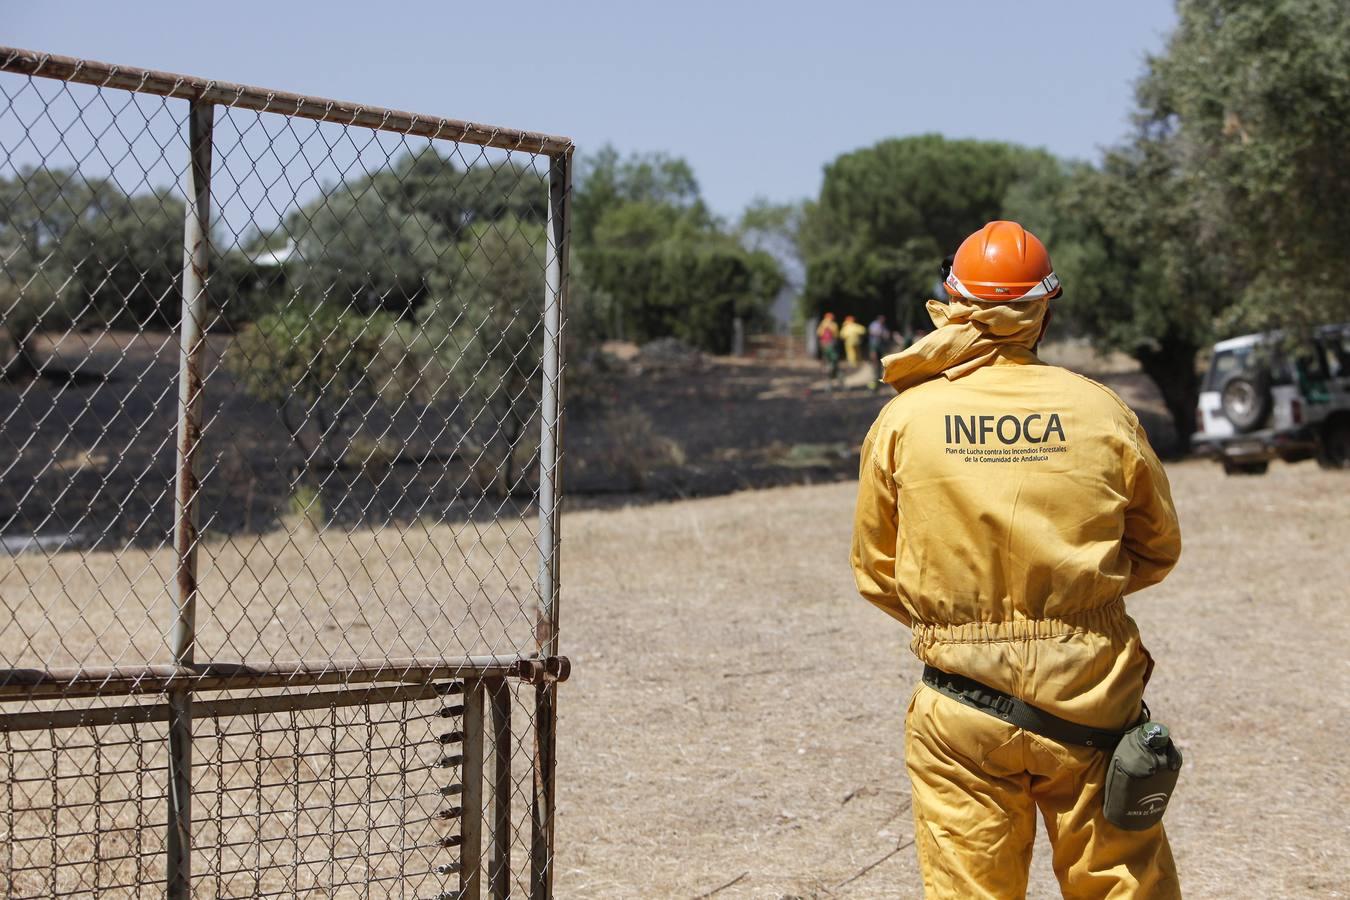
column 1002, row 262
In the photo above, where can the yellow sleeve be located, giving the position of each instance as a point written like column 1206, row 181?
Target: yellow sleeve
column 876, row 531
column 1152, row 532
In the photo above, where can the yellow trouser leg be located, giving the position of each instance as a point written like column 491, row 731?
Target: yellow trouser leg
column 974, row 823
column 1093, row 859
column 977, row 782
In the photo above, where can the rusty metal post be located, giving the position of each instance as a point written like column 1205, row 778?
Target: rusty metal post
column 546, row 628
column 541, row 823
column 471, row 802
column 196, row 254
column 499, row 865
column 555, row 297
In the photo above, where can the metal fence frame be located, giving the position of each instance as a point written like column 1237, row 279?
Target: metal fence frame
column 482, row 679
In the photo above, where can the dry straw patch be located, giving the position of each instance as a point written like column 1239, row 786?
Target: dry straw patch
column 423, row 590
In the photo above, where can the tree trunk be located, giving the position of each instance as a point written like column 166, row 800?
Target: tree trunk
column 24, row 364
column 511, row 432
column 1172, row 368
column 329, row 426
column 296, row 431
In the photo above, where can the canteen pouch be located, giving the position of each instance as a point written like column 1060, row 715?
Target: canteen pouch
column 1140, row 777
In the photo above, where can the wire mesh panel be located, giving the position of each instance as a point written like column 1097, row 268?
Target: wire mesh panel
column 354, row 801
column 279, row 396
column 352, row 792
column 84, row 811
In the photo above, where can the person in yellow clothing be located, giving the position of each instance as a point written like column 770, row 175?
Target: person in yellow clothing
column 1005, row 508
column 852, row 333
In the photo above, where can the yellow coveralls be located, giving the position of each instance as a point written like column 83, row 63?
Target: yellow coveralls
column 852, row 334
column 1005, row 507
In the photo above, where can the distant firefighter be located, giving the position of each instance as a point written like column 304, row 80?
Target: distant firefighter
column 827, row 334
column 852, row 334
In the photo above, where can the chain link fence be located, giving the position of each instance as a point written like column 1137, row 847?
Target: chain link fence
column 279, row 406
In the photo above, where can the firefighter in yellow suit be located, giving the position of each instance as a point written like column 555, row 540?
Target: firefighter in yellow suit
column 1005, row 508
column 852, row 333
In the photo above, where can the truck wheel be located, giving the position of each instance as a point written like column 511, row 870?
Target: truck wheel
column 1245, row 468
column 1333, row 450
column 1245, row 400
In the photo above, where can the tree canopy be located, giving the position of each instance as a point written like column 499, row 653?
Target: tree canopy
column 1251, row 103
column 888, row 213
column 1226, row 210
column 648, row 244
column 106, row 253
column 376, row 241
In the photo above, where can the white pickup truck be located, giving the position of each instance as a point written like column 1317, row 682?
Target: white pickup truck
column 1264, row 398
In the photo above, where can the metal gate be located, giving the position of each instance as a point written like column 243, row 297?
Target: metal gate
column 279, row 408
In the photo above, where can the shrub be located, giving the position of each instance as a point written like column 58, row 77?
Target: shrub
column 483, row 327
column 311, row 361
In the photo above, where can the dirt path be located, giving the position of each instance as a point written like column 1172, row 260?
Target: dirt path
column 732, row 726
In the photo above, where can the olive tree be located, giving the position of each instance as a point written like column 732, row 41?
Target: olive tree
column 372, row 242
column 76, row 248
column 1226, row 211
column 649, row 248
column 1252, row 101
column 321, row 366
column 482, row 324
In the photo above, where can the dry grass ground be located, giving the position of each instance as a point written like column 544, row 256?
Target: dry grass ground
column 426, row 590
column 734, row 716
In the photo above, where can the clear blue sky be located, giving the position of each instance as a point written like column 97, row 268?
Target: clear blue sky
column 757, row 96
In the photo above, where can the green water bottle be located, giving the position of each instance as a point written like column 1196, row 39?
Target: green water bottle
column 1140, row 777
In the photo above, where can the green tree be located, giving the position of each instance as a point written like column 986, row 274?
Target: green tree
column 321, row 366
column 888, row 213
column 1227, row 209
column 649, row 246
column 128, row 261
column 375, row 242
column 1252, row 100
column 691, row 291
column 607, row 182
column 78, row 248
column 34, row 297
column 38, row 207
column 358, row 249
column 1122, row 238
column 870, row 281
column 482, row 324
column 41, row 207
column 775, row 229
column 459, row 198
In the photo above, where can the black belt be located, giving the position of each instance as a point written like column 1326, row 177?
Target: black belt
column 1020, row 713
